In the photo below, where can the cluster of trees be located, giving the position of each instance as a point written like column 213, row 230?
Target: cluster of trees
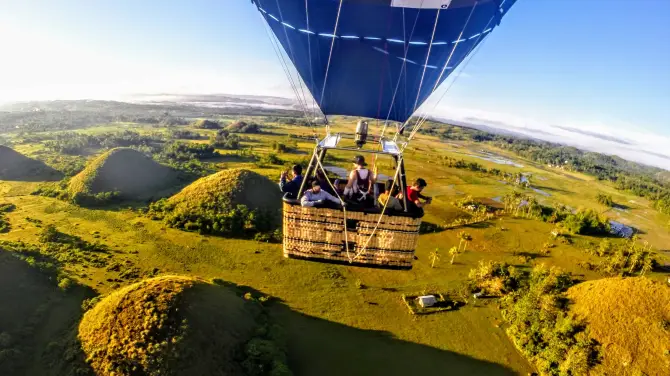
column 4, row 222
column 226, row 140
column 583, row 221
column 238, row 221
column 73, row 143
column 536, row 308
column 623, row 259
column 288, row 120
column 185, row 134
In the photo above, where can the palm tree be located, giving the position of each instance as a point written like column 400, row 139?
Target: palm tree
column 647, row 264
column 465, row 238
column 454, row 251
column 434, row 257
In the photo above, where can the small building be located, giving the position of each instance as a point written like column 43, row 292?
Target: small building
column 619, row 229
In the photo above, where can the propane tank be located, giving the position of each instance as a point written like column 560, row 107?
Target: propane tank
column 361, row 133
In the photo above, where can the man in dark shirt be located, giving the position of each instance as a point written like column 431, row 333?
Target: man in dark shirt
column 292, row 186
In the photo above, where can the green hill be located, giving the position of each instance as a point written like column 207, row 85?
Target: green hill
column 205, row 124
column 630, row 318
column 228, row 188
column 128, row 172
column 174, row 325
column 16, row 166
column 233, row 202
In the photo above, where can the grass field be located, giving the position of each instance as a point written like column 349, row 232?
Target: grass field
column 339, row 319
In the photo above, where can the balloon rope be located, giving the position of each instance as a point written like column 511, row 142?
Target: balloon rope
column 344, row 208
column 287, row 72
column 309, row 51
column 470, row 55
column 425, row 65
column 290, row 50
column 444, row 69
column 330, row 56
column 404, row 61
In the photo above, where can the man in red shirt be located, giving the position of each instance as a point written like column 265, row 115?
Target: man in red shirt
column 414, row 194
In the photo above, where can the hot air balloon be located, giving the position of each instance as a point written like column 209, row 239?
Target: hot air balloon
column 374, row 59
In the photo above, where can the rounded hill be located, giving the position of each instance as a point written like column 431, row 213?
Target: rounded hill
column 630, row 318
column 129, row 173
column 174, row 325
column 205, row 124
column 228, row 188
column 16, row 166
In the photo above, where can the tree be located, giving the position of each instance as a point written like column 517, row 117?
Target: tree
column 647, row 264
column 465, row 238
column 604, row 199
column 435, row 257
column 454, row 251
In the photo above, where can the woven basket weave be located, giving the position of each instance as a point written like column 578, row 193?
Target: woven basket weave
column 319, row 234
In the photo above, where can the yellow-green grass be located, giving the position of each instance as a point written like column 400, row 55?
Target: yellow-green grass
column 227, row 189
column 331, row 307
column 630, row 318
column 126, row 171
column 169, row 325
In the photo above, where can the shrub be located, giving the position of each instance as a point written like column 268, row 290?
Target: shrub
column 605, row 199
column 205, row 124
column 494, row 278
column 65, row 284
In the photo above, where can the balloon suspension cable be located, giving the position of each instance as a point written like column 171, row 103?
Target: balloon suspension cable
column 404, row 60
column 309, row 52
column 330, row 55
column 470, row 55
column 425, row 65
column 290, row 50
column 282, row 61
column 444, row 69
column 381, row 215
column 344, row 208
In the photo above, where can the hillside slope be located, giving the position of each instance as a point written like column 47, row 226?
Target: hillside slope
column 630, row 318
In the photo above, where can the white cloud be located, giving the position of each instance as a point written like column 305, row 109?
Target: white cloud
column 624, row 140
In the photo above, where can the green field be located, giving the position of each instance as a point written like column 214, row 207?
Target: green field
column 339, row 320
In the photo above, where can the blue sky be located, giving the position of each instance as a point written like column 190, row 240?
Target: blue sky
column 602, row 65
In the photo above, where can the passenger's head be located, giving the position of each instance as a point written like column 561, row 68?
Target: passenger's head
column 340, row 184
column 388, row 186
column 297, row 170
column 419, row 184
column 359, row 161
column 316, row 186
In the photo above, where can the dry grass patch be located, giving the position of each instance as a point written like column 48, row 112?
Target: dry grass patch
column 630, row 317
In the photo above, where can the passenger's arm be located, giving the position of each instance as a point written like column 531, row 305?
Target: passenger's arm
column 304, row 201
column 331, row 197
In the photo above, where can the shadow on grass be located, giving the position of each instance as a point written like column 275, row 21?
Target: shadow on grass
column 38, row 320
column 321, row 347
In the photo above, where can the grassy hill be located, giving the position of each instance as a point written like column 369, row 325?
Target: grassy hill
column 175, row 325
column 230, row 202
column 128, row 172
column 630, row 318
column 16, row 166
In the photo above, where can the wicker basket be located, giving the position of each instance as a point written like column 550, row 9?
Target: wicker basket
column 319, row 234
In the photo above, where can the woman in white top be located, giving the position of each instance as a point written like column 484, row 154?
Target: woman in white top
column 360, row 181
